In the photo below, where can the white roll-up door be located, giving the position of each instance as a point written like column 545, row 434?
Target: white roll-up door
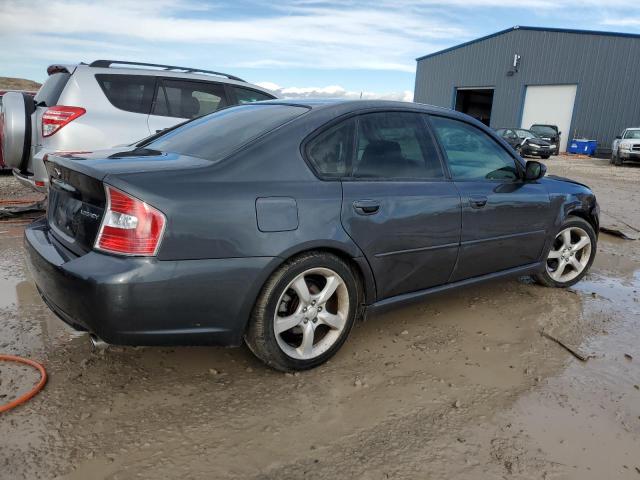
column 552, row 105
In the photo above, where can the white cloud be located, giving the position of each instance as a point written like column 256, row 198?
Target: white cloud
column 334, row 91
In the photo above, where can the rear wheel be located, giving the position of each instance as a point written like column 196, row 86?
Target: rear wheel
column 571, row 254
column 17, row 109
column 304, row 312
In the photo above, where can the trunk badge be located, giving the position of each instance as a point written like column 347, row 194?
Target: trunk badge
column 58, row 172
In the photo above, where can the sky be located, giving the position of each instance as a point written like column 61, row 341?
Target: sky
column 297, row 48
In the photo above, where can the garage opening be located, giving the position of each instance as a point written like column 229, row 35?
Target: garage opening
column 476, row 102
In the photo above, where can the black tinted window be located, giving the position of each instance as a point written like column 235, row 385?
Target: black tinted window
column 184, row 99
column 395, row 145
column 331, row 151
column 217, row 135
column 471, row 153
column 245, row 95
column 132, row 93
column 50, row 91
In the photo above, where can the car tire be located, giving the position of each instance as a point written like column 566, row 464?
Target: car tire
column 293, row 329
column 563, row 250
column 617, row 161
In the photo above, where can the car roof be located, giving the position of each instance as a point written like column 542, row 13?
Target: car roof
column 345, row 106
column 133, row 68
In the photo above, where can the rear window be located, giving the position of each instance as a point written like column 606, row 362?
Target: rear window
column 217, row 135
column 132, row 93
column 51, row 90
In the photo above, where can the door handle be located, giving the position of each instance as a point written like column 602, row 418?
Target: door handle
column 477, row 201
column 366, row 207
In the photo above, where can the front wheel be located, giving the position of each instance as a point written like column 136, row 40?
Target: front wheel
column 304, row 312
column 571, row 254
column 617, row 160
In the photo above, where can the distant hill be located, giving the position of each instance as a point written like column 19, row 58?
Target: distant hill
column 8, row 83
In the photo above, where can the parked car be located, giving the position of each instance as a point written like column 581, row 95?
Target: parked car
column 527, row 142
column 550, row 133
column 626, row 146
column 106, row 103
column 2, row 92
column 280, row 223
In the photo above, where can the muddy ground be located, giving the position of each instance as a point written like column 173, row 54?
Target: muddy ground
column 462, row 386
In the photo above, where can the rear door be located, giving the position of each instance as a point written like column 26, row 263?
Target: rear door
column 398, row 206
column 505, row 220
column 178, row 100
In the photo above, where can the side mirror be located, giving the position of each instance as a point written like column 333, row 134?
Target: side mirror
column 618, row 137
column 534, row 170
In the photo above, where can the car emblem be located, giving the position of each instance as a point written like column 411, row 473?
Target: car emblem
column 58, row 172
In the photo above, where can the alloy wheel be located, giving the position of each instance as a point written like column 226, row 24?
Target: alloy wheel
column 569, row 255
column 312, row 312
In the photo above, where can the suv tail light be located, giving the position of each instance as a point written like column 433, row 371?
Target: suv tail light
column 54, row 118
column 129, row 226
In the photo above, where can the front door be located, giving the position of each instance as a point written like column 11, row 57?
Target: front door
column 398, row 206
column 505, row 220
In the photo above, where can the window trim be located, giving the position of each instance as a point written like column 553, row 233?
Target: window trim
column 358, row 113
column 520, row 167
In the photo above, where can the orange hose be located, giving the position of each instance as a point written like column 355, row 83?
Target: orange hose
column 34, row 390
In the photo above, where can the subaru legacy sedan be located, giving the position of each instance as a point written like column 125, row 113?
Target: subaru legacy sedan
column 278, row 224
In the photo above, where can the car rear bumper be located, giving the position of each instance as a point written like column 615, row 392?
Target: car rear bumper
column 144, row 301
column 30, row 181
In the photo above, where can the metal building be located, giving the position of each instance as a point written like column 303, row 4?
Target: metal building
column 586, row 82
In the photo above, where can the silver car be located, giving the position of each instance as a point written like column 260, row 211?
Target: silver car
column 626, row 146
column 108, row 103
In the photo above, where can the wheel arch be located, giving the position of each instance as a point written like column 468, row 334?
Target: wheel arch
column 586, row 215
column 358, row 263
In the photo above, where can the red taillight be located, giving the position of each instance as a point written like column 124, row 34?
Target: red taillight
column 129, row 226
column 54, row 118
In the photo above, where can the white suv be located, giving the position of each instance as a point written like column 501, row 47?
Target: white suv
column 108, row 103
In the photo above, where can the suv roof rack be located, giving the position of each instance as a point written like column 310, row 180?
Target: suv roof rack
column 108, row 63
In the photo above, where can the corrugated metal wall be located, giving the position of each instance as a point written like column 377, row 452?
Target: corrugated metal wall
column 605, row 68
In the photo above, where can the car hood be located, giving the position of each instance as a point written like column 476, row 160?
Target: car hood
column 568, row 180
column 538, row 141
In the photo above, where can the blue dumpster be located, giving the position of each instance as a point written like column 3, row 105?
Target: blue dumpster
column 583, row 146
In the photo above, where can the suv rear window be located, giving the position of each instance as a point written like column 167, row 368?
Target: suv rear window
column 246, row 95
column 51, row 90
column 132, row 93
column 217, row 135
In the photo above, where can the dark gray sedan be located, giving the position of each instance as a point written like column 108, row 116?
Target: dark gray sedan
column 280, row 223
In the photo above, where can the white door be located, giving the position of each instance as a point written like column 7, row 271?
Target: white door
column 551, row 105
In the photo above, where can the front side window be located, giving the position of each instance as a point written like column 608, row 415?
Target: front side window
column 132, row 93
column 471, row 153
column 184, row 99
column 395, row 145
column 246, row 95
column 331, row 152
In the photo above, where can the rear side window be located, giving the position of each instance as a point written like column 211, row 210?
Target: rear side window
column 184, row 99
column 217, row 135
column 52, row 88
column 471, row 153
column 394, row 145
column 131, row 93
column 245, row 95
column 330, row 152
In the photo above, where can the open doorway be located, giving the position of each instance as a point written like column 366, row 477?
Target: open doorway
column 476, row 102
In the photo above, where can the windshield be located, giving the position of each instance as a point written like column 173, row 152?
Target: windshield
column 632, row 134
column 544, row 130
column 215, row 136
column 525, row 134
